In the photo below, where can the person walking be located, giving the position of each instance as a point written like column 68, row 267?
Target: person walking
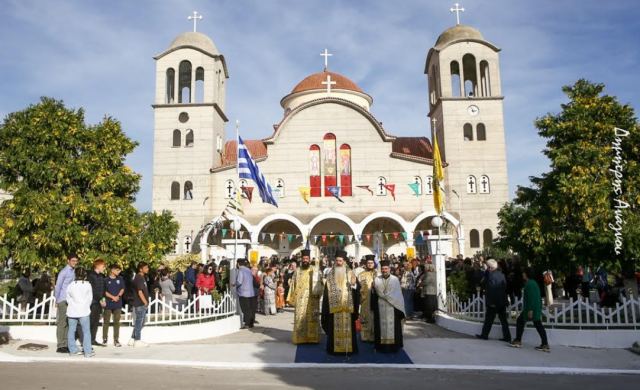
column 98, row 284
column 65, row 277
column 140, row 304
column 79, row 299
column 114, row 296
column 495, row 302
column 245, row 286
column 531, row 311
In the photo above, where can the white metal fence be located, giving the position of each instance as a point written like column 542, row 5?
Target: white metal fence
column 159, row 312
column 580, row 314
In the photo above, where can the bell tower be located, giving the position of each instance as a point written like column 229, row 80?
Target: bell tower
column 189, row 121
column 465, row 98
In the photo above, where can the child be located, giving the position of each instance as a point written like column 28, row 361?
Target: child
column 280, row 297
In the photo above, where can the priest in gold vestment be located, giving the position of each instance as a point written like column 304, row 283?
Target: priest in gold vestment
column 365, row 282
column 304, row 295
column 340, row 308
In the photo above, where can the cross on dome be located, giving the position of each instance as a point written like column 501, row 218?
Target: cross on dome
column 328, row 83
column 457, row 10
column 195, row 17
column 326, row 56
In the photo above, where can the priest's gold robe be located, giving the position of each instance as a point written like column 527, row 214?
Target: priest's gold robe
column 340, row 312
column 365, row 280
column 305, row 289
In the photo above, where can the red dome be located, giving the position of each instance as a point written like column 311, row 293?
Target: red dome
column 315, row 82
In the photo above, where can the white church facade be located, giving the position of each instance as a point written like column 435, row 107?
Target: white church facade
column 329, row 137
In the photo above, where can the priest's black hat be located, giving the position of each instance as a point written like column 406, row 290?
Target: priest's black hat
column 370, row 257
column 385, row 263
column 305, row 252
column 341, row 253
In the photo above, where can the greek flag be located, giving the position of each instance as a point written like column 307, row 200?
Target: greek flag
column 247, row 169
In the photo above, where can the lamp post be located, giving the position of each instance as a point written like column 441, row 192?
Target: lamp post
column 235, row 226
column 437, row 222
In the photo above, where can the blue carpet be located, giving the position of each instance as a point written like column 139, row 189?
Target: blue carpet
column 316, row 353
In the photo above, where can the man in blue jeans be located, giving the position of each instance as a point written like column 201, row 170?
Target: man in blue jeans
column 140, row 304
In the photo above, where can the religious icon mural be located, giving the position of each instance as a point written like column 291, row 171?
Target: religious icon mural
column 330, row 179
column 345, row 170
column 315, row 185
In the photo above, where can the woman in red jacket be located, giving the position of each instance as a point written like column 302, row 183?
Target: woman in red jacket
column 206, row 282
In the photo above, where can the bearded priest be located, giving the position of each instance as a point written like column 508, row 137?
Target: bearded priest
column 304, row 295
column 365, row 283
column 340, row 308
column 387, row 304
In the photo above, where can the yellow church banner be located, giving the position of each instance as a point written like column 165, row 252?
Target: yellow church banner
column 254, row 257
column 411, row 252
column 438, row 176
column 305, row 193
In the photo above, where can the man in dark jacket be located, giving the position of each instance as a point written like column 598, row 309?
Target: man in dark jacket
column 190, row 279
column 495, row 302
column 99, row 285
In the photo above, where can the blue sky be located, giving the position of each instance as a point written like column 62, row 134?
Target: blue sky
column 98, row 55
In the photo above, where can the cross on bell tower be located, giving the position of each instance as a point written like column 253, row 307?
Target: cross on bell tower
column 195, row 17
column 457, row 9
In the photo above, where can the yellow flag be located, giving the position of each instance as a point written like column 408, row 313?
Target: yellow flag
column 438, row 177
column 305, row 192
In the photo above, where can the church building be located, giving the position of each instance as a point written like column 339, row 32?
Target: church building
column 328, row 137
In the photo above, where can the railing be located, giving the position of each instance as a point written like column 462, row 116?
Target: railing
column 159, row 312
column 573, row 314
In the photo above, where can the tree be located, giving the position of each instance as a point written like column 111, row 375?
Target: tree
column 72, row 192
column 563, row 219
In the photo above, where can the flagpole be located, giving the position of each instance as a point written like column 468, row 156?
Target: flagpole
column 235, row 223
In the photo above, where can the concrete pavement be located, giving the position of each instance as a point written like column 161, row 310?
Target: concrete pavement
column 268, row 346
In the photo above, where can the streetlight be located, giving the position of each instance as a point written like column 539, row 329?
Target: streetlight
column 235, row 226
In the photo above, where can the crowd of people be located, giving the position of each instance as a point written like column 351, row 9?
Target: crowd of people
column 89, row 298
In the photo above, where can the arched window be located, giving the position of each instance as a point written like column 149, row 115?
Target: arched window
column 188, row 190
column 471, row 185
column 279, row 188
column 199, row 95
column 229, row 189
column 485, row 185
column 474, row 238
column 345, row 170
column 467, row 130
column 184, row 82
column 428, row 185
column 456, row 88
column 175, row 190
column 188, row 140
column 470, row 76
column 381, row 190
column 417, row 184
column 177, row 138
column 171, row 85
column 487, row 238
column 315, row 181
column 330, row 163
column 485, row 80
column 481, row 132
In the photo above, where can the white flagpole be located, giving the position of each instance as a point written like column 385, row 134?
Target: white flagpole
column 235, row 219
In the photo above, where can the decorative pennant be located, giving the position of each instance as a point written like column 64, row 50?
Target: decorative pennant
column 317, row 238
column 305, row 193
column 359, row 237
column 391, row 188
column 290, row 237
column 396, row 235
column 272, row 236
column 341, row 238
column 224, row 233
column 262, row 235
column 350, row 238
column 387, row 235
column 241, row 234
column 233, row 234
column 335, row 191
column 366, row 188
column 404, row 236
column 416, row 188
column 247, row 192
column 324, row 238
column 368, row 237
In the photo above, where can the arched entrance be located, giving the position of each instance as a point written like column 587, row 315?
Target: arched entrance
column 384, row 235
column 221, row 240
column 332, row 234
column 279, row 237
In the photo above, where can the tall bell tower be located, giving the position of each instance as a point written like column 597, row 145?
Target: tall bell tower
column 465, row 98
column 189, row 120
